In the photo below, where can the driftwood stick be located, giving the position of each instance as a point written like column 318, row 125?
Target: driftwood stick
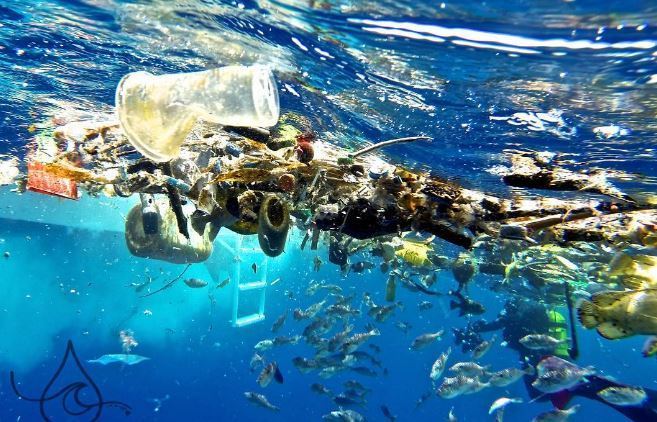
column 169, row 283
column 386, row 143
column 581, row 214
column 554, row 220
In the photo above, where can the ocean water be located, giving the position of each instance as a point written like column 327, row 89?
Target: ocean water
column 360, row 71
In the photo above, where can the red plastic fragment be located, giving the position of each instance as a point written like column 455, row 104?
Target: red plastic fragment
column 39, row 179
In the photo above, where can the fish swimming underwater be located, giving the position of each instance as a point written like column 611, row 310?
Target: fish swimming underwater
column 438, row 366
column 466, row 306
column 424, row 340
column 361, row 266
column 269, row 373
column 223, row 283
column 355, row 385
column 509, row 376
column 469, row 369
column 403, row 326
column 344, row 416
column 196, row 283
column 344, row 401
column 556, row 415
column 621, row 314
column 501, row 403
column 623, row 396
column 464, row 268
column 256, row 361
column 556, row 374
column 263, row 345
column 123, row 358
column 320, row 389
column 482, row 348
column 459, row 385
column 541, row 342
column 260, row 400
column 304, row 365
column 451, row 416
column 649, row 347
column 382, row 313
column 317, row 263
column 423, row 306
column 388, row 414
column 352, row 343
column 279, row 322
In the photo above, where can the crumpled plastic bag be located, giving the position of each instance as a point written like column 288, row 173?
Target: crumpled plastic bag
column 9, row 171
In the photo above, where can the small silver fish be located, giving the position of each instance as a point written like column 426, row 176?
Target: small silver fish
column 344, row 416
column 403, row 326
column 423, row 306
column 456, row 386
column 426, row 339
column 260, row 400
column 623, row 396
column 469, row 369
column 423, row 399
column 195, row 283
column 279, row 322
column 269, row 373
column 501, row 403
column 223, row 283
column 355, row 385
column 556, row 374
column 330, row 371
column 556, row 415
column 354, row 342
column 256, row 361
column 508, row 376
column 363, row 370
column 540, row 342
column 388, row 414
column 438, row 366
column 263, row 345
column 320, row 389
column 482, row 348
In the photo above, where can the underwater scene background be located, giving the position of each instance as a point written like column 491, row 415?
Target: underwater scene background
column 464, row 73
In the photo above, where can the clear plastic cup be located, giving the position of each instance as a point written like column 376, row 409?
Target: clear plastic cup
column 158, row 112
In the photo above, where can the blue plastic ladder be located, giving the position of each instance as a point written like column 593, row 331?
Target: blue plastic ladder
column 246, row 252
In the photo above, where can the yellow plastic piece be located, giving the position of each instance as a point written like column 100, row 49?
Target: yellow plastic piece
column 558, row 330
column 415, row 253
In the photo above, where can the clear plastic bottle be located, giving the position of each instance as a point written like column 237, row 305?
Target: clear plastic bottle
column 158, row 112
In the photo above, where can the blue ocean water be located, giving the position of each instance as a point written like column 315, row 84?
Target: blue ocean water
column 455, row 71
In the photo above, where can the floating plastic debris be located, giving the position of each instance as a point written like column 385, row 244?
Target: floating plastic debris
column 158, row 112
column 550, row 122
column 128, row 341
column 41, row 179
column 123, row 358
column 611, row 131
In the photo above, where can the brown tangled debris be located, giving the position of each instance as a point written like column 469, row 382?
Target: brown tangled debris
column 227, row 173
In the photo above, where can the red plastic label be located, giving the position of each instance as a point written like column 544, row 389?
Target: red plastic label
column 39, row 179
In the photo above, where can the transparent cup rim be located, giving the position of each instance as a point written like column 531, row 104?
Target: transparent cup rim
column 263, row 77
column 127, row 127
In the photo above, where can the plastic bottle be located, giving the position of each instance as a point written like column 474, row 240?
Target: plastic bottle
column 391, row 288
column 158, row 112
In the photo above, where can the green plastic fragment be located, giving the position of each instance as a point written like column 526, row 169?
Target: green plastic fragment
column 343, row 161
